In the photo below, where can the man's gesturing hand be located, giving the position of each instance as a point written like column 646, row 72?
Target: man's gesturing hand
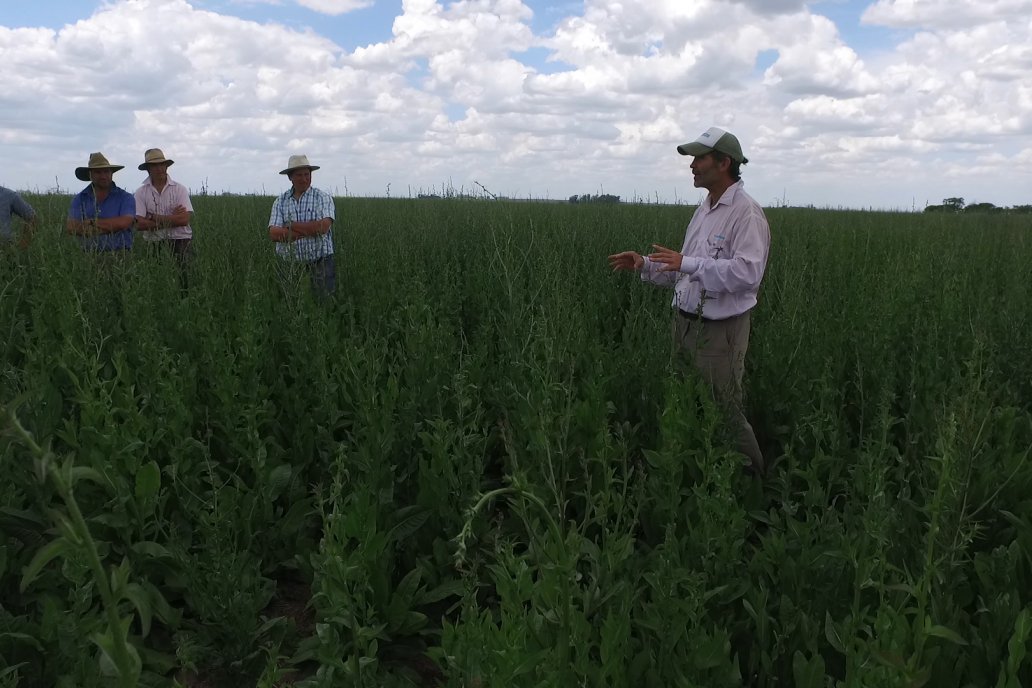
column 669, row 259
column 627, row 260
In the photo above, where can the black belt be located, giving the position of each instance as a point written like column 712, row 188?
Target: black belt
column 692, row 316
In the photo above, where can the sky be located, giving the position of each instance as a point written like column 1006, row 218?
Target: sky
column 880, row 104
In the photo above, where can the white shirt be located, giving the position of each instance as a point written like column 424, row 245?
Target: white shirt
column 150, row 200
column 725, row 254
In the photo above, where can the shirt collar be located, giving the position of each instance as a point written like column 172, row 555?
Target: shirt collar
column 88, row 191
column 289, row 193
column 728, row 197
column 170, row 182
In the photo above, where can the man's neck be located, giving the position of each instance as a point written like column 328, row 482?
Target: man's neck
column 101, row 194
column 160, row 186
column 717, row 191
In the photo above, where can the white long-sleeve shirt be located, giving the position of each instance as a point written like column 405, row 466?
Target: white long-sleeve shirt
column 725, row 254
column 150, row 200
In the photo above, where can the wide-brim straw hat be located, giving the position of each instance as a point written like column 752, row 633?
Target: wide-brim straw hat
column 296, row 162
column 97, row 162
column 154, row 156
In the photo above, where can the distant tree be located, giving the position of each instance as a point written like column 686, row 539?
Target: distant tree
column 938, row 209
column 594, row 198
column 956, row 203
column 982, row 208
column 1022, row 209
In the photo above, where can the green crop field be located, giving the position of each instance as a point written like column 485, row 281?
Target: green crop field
column 477, row 468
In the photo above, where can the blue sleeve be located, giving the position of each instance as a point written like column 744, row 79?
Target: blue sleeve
column 127, row 206
column 75, row 210
column 22, row 209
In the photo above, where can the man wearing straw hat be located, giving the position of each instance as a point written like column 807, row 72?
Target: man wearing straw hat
column 300, row 225
column 101, row 215
column 163, row 208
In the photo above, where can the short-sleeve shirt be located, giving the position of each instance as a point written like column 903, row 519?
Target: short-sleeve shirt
column 150, row 200
column 313, row 205
column 119, row 202
column 12, row 204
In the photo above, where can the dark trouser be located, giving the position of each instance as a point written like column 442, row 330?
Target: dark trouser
column 716, row 349
column 322, row 273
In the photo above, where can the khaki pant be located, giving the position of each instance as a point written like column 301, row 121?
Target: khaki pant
column 716, row 348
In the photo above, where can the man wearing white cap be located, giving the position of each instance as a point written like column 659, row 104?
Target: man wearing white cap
column 300, row 226
column 163, row 208
column 715, row 276
column 102, row 214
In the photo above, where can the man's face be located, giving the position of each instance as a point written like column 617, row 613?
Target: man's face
column 706, row 171
column 301, row 179
column 101, row 179
column 158, row 173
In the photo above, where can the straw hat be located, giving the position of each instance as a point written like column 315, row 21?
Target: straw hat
column 296, row 162
column 97, row 162
column 154, row 156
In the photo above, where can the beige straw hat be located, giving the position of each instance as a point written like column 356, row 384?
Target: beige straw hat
column 296, row 162
column 97, row 162
column 153, row 156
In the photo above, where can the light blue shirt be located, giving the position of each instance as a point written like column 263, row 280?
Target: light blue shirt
column 12, row 204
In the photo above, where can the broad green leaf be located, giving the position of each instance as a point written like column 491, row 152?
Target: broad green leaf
column 946, row 633
column 141, row 601
column 44, row 556
column 77, row 473
column 410, row 519
column 151, row 549
column 279, row 478
column 106, row 642
column 408, row 585
column 452, row 588
column 832, row 633
column 808, row 673
column 148, row 482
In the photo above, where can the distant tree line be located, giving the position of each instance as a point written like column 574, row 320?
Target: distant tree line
column 594, row 198
column 956, row 205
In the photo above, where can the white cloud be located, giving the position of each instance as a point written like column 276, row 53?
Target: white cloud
column 335, row 7
column 453, row 95
column 946, row 14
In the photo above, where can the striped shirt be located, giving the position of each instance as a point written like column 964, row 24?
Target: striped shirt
column 150, row 200
column 12, row 204
column 313, row 205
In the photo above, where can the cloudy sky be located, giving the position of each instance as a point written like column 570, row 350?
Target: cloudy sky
column 838, row 103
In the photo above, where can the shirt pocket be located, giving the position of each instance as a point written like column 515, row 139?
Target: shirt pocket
column 716, row 246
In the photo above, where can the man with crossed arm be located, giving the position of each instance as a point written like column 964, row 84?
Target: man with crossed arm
column 300, row 226
column 163, row 208
column 102, row 214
